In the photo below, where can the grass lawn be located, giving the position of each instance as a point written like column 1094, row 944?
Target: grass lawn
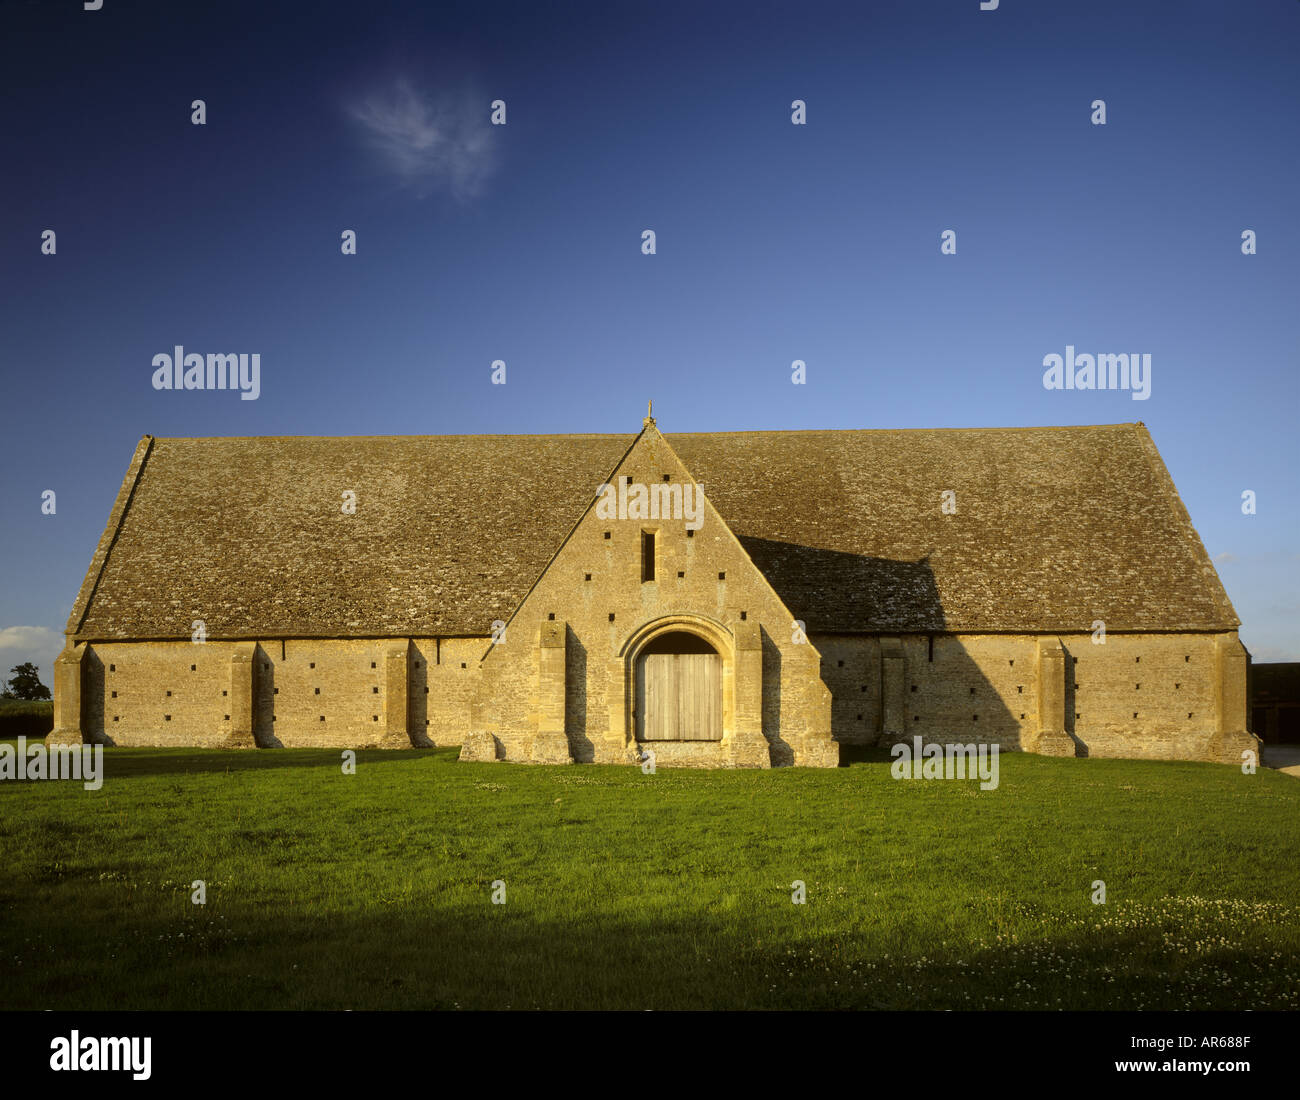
column 624, row 890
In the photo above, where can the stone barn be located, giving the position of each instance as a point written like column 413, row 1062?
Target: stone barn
column 746, row 599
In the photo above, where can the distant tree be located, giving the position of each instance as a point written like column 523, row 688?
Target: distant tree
column 26, row 683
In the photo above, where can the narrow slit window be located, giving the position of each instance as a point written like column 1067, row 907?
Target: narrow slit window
column 647, row 556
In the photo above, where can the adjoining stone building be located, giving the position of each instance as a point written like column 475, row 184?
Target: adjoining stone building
column 579, row 598
column 1275, row 702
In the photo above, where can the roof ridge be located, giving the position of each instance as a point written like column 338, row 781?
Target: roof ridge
column 358, row 438
column 617, row 435
column 909, row 431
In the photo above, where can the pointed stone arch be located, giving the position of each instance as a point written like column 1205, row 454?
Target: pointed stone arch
column 703, row 627
column 712, row 631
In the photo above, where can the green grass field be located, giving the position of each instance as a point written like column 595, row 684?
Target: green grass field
column 624, row 890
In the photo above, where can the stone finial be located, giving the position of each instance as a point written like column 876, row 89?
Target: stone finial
column 649, row 421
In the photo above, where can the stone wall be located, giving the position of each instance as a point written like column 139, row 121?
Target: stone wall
column 158, row 693
column 316, row 693
column 1143, row 695
column 443, row 676
column 1161, row 696
column 1135, row 695
column 305, row 693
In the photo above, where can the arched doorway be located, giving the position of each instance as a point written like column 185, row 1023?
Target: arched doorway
column 679, row 681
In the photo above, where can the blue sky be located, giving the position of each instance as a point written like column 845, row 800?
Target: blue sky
column 774, row 242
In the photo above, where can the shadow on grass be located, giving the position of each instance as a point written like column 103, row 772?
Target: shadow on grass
column 864, row 754
column 494, row 957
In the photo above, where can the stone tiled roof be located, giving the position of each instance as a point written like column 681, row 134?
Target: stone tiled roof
column 1054, row 528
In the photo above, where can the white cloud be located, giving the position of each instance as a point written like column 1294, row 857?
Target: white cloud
column 30, row 637
column 428, row 142
column 1226, row 558
column 38, row 644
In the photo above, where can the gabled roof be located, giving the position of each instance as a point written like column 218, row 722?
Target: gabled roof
column 1054, row 529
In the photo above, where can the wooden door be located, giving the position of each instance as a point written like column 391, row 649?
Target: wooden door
column 679, row 697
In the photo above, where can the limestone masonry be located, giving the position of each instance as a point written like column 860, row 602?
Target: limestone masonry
column 555, row 599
